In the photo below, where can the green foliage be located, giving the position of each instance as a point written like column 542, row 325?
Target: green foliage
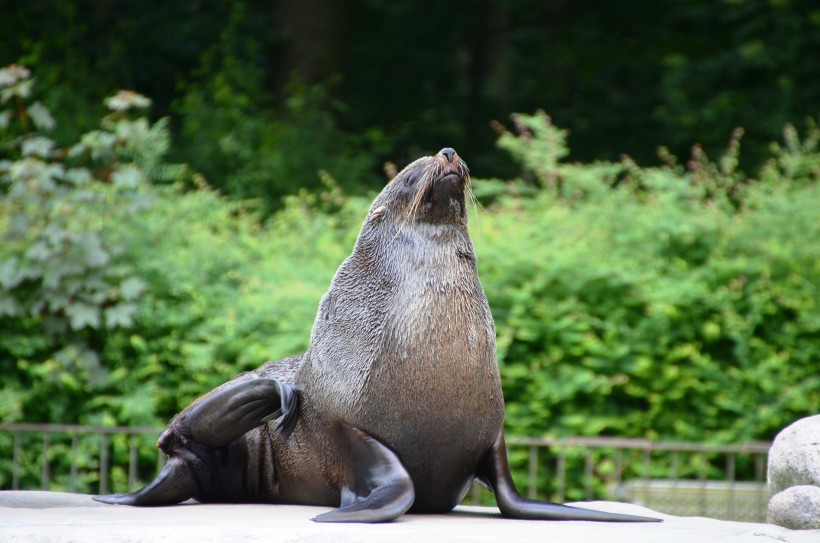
column 747, row 66
column 678, row 302
column 658, row 302
column 250, row 149
column 226, row 294
column 415, row 77
column 119, row 283
column 62, row 276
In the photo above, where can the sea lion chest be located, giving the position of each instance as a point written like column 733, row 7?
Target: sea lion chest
column 403, row 348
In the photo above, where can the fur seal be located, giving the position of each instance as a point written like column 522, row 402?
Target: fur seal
column 397, row 404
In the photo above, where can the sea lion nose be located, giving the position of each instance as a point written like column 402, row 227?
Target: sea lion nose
column 449, row 152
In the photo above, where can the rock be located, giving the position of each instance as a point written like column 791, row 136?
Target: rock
column 797, row 508
column 794, row 458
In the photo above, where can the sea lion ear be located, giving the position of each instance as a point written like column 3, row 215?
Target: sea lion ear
column 231, row 411
column 377, row 213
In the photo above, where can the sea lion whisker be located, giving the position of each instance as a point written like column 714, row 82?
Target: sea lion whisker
column 411, row 213
column 473, row 199
column 424, row 184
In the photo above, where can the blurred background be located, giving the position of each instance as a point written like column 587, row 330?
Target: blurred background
column 646, row 173
column 263, row 93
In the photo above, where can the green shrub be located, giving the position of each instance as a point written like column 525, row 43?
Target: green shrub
column 673, row 302
column 226, row 294
column 250, row 149
column 670, row 303
column 64, row 283
column 156, row 291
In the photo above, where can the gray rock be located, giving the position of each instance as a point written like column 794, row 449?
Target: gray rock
column 797, row 508
column 794, row 458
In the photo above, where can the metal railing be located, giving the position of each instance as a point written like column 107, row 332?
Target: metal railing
column 719, row 481
column 51, row 434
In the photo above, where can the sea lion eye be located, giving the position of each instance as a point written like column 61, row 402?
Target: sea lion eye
column 412, row 177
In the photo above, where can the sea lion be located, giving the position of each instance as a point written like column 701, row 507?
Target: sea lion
column 397, row 404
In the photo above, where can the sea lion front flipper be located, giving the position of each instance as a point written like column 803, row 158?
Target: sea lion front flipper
column 231, row 411
column 376, row 488
column 174, row 484
column 494, row 472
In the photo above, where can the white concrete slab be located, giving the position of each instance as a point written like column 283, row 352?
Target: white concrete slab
column 35, row 517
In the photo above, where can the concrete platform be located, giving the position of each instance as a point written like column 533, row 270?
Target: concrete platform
column 52, row 517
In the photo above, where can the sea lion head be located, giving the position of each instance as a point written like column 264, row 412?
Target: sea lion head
column 190, row 472
column 209, row 442
column 429, row 190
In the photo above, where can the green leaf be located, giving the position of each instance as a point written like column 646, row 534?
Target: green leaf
column 94, row 255
column 53, row 275
column 126, row 177
column 100, row 143
column 76, row 150
column 41, row 116
column 132, row 287
column 120, row 315
column 9, row 278
column 78, row 176
column 58, row 302
column 55, row 234
column 38, row 146
column 82, row 315
column 9, row 306
column 133, row 132
column 39, row 252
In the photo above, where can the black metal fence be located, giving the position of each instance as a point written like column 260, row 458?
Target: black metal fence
column 718, row 481
column 688, row 479
column 83, row 451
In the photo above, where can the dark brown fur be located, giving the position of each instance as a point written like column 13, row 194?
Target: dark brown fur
column 404, row 336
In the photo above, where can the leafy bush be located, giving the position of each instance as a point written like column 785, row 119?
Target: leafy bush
column 248, row 148
column 127, row 291
column 226, row 294
column 156, row 292
column 674, row 302
column 63, row 281
column 658, row 302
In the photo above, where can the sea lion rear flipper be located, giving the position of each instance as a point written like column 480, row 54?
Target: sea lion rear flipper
column 231, row 411
column 174, row 484
column 494, row 472
column 377, row 488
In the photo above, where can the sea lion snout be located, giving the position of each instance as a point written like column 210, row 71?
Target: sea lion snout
column 449, row 153
column 168, row 441
column 450, row 167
